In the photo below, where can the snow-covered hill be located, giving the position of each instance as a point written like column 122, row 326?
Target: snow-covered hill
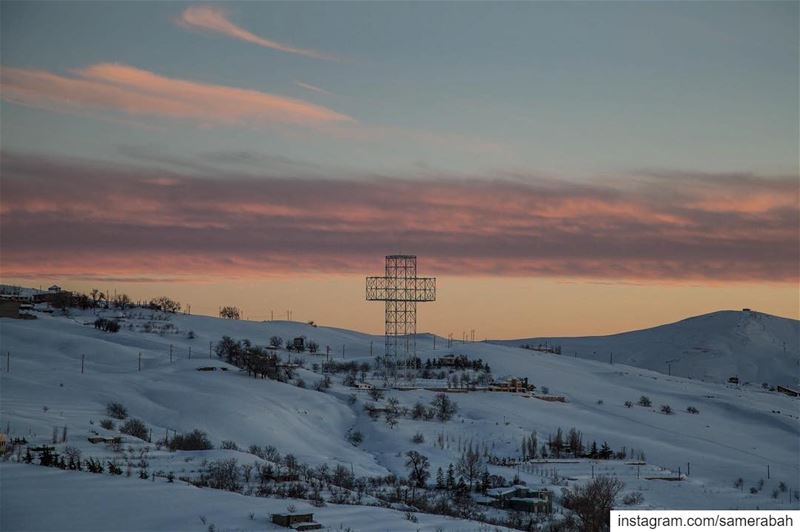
column 739, row 432
column 753, row 346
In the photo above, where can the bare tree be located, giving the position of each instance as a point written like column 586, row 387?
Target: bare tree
column 470, row 465
column 593, row 502
column 418, row 471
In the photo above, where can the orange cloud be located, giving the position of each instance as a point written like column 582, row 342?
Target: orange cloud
column 122, row 88
column 75, row 218
column 216, row 20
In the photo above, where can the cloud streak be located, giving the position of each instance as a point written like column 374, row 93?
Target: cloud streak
column 134, row 91
column 76, row 217
column 215, row 20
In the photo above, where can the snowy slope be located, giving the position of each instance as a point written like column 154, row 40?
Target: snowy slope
column 739, row 432
column 754, row 346
column 83, row 502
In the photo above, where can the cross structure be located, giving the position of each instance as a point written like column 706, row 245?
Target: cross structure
column 401, row 289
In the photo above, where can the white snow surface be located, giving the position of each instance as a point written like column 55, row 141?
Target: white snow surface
column 751, row 345
column 739, row 432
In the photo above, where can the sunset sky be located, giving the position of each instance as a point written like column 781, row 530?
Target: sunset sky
column 562, row 168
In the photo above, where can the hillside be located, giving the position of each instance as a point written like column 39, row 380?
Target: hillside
column 754, row 346
column 738, row 432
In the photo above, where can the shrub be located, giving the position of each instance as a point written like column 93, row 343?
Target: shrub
column 106, row 325
column 135, row 428
column 666, row 409
column 632, row 498
column 229, row 445
column 116, row 410
column 645, row 401
column 323, row 384
column 224, row 475
column 355, row 438
column 692, row 410
column 375, row 394
column 418, row 438
column 628, row 404
column 230, row 313
column 197, row 440
column 444, row 407
column 107, row 424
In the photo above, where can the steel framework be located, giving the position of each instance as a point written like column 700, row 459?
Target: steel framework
column 401, row 289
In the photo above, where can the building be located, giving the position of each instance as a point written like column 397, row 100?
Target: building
column 447, row 360
column 296, row 521
column 363, row 386
column 10, row 309
column 521, row 498
column 791, row 392
column 54, row 288
column 299, row 344
column 513, row 384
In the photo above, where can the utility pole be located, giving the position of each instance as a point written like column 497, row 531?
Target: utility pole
column 8, row 361
column 140, row 361
column 342, row 351
column 434, row 342
column 190, row 352
column 82, row 359
column 611, row 359
column 688, row 469
column 209, row 349
column 370, row 348
column 170, row 353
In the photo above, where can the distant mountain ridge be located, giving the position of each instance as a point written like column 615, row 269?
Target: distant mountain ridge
column 751, row 345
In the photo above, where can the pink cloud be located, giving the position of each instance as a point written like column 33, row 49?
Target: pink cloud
column 72, row 217
column 126, row 89
column 216, row 20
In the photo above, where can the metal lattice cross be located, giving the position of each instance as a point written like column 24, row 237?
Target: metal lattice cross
column 401, row 289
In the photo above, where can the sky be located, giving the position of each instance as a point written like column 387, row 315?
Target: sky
column 562, row 168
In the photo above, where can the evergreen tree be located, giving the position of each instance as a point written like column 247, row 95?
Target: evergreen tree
column 440, row 485
column 605, row 451
column 451, row 477
column 46, row 457
column 486, row 482
column 575, row 441
column 593, row 450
